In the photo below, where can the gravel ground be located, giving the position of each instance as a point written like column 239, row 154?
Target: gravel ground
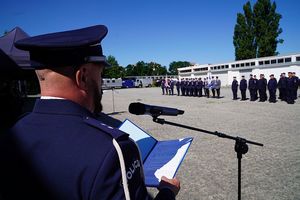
column 209, row 170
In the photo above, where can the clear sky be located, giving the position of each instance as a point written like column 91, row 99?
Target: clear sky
column 150, row 30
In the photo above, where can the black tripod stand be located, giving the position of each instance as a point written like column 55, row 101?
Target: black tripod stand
column 240, row 147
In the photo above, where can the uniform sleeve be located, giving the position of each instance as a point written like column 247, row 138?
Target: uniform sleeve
column 165, row 194
column 108, row 183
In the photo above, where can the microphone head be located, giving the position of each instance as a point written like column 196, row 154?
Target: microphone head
column 137, row 108
column 180, row 112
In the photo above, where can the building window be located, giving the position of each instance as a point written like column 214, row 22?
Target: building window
column 233, row 66
column 288, row 59
column 267, row 62
column 219, row 67
column 273, row 61
column 222, row 67
column 227, row 66
column 215, row 67
column 252, row 63
column 113, row 81
column 242, row 64
column 186, row 71
column 247, row 64
column 280, row 60
column 261, row 63
column 237, row 65
column 298, row 58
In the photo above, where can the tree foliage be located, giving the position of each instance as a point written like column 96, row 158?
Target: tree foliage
column 257, row 30
column 267, row 30
column 145, row 69
column 115, row 70
column 177, row 64
column 244, row 37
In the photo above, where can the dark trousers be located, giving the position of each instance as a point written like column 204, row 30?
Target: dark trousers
column 183, row 91
column 195, row 92
column 282, row 94
column 207, row 92
column 200, row 92
column 218, row 93
column 213, row 92
column 178, row 91
column 163, row 90
column 290, row 96
column 243, row 94
column 234, row 93
column 295, row 93
column 272, row 95
column 262, row 95
column 252, row 94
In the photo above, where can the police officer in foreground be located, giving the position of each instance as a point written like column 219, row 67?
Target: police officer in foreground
column 60, row 151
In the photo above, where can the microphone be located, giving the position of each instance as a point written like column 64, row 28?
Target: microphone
column 141, row 109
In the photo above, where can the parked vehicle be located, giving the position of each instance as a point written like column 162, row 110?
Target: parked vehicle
column 145, row 82
column 108, row 83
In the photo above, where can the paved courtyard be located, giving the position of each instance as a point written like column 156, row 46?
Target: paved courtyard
column 209, row 170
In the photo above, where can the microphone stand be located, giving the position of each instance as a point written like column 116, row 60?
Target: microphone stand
column 240, row 147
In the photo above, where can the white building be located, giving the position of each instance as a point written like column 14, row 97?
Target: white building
column 226, row 71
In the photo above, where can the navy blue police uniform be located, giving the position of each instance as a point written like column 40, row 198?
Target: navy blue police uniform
column 290, row 91
column 234, row 88
column 60, row 150
column 199, row 87
column 282, row 88
column 182, row 87
column 252, row 88
column 243, row 88
column 262, row 89
column 162, row 85
column 272, row 87
column 296, row 85
column 178, row 87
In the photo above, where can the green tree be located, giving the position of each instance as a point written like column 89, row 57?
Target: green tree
column 256, row 32
column 244, row 37
column 115, row 71
column 177, row 64
column 266, row 28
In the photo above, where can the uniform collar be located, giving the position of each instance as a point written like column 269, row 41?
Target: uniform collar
column 60, row 106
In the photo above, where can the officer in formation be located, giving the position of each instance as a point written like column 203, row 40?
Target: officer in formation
column 262, row 88
column 282, row 86
column 217, row 86
column 162, row 85
column 234, row 88
column 60, row 150
column 243, row 88
column 252, row 86
column 292, row 84
column 272, row 87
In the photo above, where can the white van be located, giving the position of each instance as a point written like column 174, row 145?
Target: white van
column 143, row 82
column 108, row 83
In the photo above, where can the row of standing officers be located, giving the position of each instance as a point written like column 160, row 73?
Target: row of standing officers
column 192, row 87
column 287, row 87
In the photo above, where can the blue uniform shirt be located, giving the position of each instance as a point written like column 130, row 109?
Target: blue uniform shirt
column 59, row 151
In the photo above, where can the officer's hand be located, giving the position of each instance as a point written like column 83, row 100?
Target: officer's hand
column 172, row 184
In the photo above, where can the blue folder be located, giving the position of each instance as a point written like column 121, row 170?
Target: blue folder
column 160, row 158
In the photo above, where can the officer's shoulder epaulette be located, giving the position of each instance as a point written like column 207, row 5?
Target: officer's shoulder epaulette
column 113, row 132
